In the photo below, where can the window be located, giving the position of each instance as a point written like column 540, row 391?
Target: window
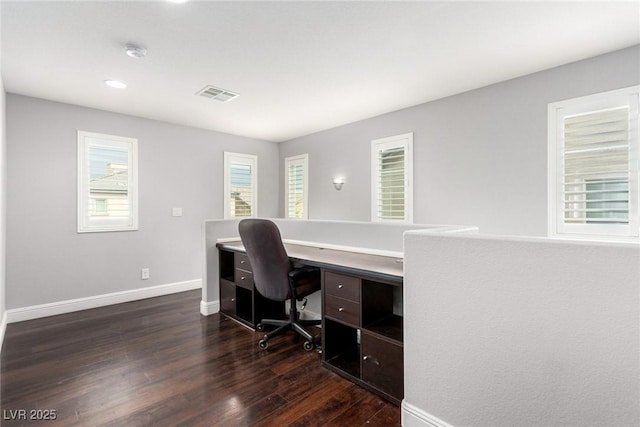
column 107, row 183
column 100, row 207
column 240, row 185
column 391, row 179
column 593, row 166
column 296, row 196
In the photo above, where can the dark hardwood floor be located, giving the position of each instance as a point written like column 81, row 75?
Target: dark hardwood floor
column 159, row 362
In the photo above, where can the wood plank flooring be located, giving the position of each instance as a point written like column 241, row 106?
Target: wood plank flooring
column 159, row 362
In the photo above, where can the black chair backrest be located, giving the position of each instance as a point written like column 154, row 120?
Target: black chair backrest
column 268, row 257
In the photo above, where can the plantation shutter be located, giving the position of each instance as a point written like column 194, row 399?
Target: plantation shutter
column 240, row 185
column 595, row 141
column 296, row 187
column 108, row 169
column 391, row 183
column 107, row 183
column 596, row 167
column 392, row 199
column 241, row 191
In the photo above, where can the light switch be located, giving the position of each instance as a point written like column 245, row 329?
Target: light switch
column 177, row 212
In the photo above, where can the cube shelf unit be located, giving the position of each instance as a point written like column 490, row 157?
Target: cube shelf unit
column 362, row 331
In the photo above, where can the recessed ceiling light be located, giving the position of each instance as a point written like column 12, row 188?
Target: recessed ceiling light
column 115, row 84
column 177, row 1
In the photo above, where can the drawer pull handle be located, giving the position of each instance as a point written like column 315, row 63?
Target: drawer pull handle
column 242, row 262
column 341, row 309
column 340, row 286
column 242, row 278
column 233, row 300
column 371, row 359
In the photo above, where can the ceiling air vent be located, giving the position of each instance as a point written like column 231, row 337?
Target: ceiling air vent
column 218, row 94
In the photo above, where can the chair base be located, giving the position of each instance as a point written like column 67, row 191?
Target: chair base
column 293, row 323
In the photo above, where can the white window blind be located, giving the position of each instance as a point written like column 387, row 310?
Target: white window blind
column 392, row 195
column 596, row 167
column 296, row 200
column 596, row 178
column 107, row 182
column 240, row 185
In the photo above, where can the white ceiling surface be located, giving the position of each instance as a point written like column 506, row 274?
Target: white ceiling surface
column 299, row 67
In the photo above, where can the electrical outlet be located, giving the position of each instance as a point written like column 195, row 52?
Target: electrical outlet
column 144, row 273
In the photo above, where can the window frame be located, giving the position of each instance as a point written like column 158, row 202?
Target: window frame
column 249, row 159
column 101, row 223
column 557, row 111
column 403, row 140
column 288, row 161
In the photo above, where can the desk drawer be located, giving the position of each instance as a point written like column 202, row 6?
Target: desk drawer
column 241, row 261
column 342, row 286
column 382, row 364
column 342, row 309
column 243, row 278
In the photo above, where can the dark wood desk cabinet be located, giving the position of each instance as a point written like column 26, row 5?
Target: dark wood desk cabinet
column 361, row 327
column 361, row 335
column 238, row 297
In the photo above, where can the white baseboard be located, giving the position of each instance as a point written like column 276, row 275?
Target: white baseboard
column 412, row 416
column 208, row 308
column 61, row 307
column 3, row 327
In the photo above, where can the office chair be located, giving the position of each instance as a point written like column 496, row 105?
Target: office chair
column 276, row 279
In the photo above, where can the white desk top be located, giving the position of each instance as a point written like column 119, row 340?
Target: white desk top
column 381, row 267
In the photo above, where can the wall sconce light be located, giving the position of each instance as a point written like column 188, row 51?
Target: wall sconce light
column 338, row 182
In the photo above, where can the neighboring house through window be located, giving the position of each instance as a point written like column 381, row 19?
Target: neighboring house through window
column 107, row 183
column 240, row 185
column 593, row 166
column 99, row 206
column 392, row 179
column 296, row 177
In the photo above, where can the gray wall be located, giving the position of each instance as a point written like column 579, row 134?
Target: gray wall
column 512, row 331
column 3, row 205
column 48, row 261
column 480, row 157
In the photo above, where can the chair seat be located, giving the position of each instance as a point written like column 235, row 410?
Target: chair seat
column 306, row 281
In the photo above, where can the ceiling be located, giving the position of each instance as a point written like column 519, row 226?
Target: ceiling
column 299, row 67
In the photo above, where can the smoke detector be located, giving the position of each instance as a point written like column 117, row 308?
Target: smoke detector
column 216, row 93
column 135, row 51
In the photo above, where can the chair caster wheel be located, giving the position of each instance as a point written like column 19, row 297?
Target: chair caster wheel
column 259, row 327
column 263, row 344
column 308, row 345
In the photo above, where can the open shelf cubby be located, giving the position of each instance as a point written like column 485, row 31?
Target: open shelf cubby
column 380, row 302
column 389, row 326
column 343, row 349
column 226, row 265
